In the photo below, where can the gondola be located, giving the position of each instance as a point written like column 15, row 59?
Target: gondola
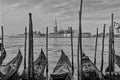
column 90, row 71
column 2, row 57
column 114, row 75
column 117, row 59
column 9, row 71
column 39, row 67
column 63, row 69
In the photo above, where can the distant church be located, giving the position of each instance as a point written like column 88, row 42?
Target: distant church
column 55, row 34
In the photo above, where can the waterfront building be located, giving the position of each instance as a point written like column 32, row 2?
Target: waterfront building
column 118, row 29
column 55, row 35
column 117, row 34
column 35, row 35
column 84, row 34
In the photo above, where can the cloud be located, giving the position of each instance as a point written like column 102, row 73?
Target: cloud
column 60, row 5
column 65, row 10
column 57, row 13
column 50, row 6
column 22, row 4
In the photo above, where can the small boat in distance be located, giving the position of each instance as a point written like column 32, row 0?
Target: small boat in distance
column 63, row 69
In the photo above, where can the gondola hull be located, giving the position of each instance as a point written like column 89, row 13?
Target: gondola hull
column 3, row 56
column 9, row 71
column 63, row 69
column 117, row 60
column 62, row 76
column 90, row 71
column 114, row 76
column 39, row 67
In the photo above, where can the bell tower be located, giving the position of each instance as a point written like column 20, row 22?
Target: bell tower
column 55, row 26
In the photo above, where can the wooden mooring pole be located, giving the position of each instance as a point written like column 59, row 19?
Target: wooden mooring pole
column 96, row 47
column 47, row 51
column 72, row 51
column 103, row 39
column 31, row 56
column 110, row 53
column 113, row 50
column 78, row 67
column 80, row 39
column 25, row 48
column 2, row 44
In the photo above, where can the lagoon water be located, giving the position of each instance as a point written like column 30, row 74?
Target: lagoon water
column 12, row 45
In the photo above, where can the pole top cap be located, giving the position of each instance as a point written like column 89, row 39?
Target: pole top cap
column 30, row 14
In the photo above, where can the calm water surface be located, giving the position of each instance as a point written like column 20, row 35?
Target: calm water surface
column 12, row 46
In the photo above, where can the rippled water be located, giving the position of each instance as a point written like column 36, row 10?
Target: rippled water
column 12, row 46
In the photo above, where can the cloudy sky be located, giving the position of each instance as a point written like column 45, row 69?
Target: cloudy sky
column 14, row 14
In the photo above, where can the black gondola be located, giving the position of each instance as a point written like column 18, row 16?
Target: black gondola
column 39, row 67
column 117, row 59
column 9, row 71
column 90, row 71
column 63, row 69
column 2, row 57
